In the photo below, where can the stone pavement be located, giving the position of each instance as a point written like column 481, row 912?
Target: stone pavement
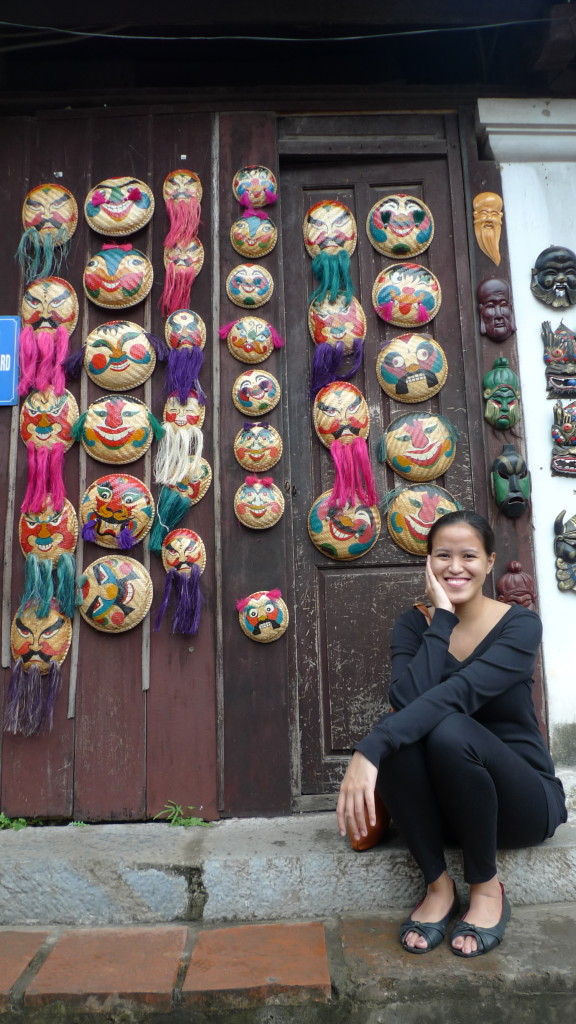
column 342, row 970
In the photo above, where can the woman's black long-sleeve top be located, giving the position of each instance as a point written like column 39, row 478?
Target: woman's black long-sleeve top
column 493, row 685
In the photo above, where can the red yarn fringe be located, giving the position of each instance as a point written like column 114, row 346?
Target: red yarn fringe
column 177, row 285
column 184, row 217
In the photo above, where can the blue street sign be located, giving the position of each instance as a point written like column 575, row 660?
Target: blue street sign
column 9, row 334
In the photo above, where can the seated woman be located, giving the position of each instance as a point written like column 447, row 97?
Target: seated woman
column 462, row 755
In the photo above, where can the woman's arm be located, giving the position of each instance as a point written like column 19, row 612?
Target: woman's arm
column 507, row 661
column 418, row 658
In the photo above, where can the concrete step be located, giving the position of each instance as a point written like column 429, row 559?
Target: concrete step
column 239, row 870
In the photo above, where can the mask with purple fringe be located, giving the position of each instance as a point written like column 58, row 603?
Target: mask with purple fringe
column 342, row 422
column 184, row 559
column 338, row 330
column 185, row 334
column 117, row 511
column 39, row 646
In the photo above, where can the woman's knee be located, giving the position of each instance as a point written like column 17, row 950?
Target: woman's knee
column 449, row 740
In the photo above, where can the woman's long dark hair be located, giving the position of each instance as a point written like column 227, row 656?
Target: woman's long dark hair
column 477, row 522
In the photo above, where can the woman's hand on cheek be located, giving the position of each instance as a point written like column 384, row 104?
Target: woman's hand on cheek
column 357, row 796
column 435, row 591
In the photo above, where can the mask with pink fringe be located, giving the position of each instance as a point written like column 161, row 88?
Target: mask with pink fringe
column 342, row 423
column 49, row 313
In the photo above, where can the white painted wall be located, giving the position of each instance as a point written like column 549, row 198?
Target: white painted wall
column 540, row 210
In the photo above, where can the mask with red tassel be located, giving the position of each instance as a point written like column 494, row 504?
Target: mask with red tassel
column 185, row 333
column 46, row 428
column 184, row 559
column 39, row 646
column 183, row 263
column 263, row 615
column 342, row 422
column 251, row 339
column 49, row 314
column 49, row 219
column 119, row 206
column 255, row 186
column 338, row 330
column 182, row 192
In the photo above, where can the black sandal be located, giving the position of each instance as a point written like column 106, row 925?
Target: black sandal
column 487, row 938
column 433, row 931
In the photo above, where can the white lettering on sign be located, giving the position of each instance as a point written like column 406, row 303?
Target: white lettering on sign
column 5, row 362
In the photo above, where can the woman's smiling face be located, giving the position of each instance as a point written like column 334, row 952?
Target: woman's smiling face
column 459, row 561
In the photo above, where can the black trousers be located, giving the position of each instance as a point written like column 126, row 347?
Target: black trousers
column 462, row 784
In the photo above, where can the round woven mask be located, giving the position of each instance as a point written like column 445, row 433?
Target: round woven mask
column 411, row 368
column 400, row 225
column 182, row 185
column 343, row 534
column 186, row 257
column 181, row 549
column 117, row 429
column 116, row 593
column 119, row 206
column 189, row 415
column 255, row 392
column 340, row 413
column 49, row 534
column 38, row 642
column 50, row 210
column 253, row 236
column 117, row 511
column 406, row 295
column 250, row 340
column 255, row 185
column 118, row 276
column 49, row 303
column 185, row 329
column 46, row 419
column 249, row 285
column 336, row 322
column 195, row 485
column 329, row 226
column 118, row 355
column 263, row 616
column 413, row 511
column 420, row 445
column 258, row 503
column 258, row 447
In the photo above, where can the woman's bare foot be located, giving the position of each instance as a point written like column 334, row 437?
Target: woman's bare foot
column 485, row 911
column 435, row 905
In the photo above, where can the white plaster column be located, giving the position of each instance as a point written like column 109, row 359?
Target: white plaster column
column 535, row 143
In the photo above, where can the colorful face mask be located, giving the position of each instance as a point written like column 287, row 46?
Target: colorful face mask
column 49, row 219
column 406, row 295
column 487, row 213
column 337, row 322
column 181, row 186
column 258, row 447
column 118, row 276
column 255, row 392
column 564, row 437
column 189, row 257
column 411, row 368
column 118, row 355
column 250, row 339
column 117, row 428
column 39, row 642
column 119, row 206
column 565, row 551
column 116, row 511
column 116, row 593
column 249, row 285
column 189, row 414
column 46, row 419
column 343, row 534
column 182, row 549
column 48, row 534
column 495, row 309
column 517, row 587
column 501, row 392
column 419, row 446
column 255, row 185
column 258, row 503
column 195, row 483
column 329, row 226
column 263, row 616
column 560, row 360
column 185, row 329
column 340, row 413
column 554, row 277
column 49, row 303
column 252, row 236
column 412, row 512
column 400, row 225
column 511, row 482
